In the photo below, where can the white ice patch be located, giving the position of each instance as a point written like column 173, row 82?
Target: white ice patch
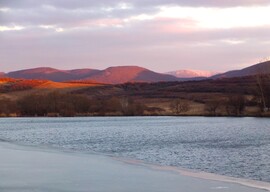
column 219, row 188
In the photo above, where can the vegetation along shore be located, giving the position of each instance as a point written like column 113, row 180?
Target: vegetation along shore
column 239, row 96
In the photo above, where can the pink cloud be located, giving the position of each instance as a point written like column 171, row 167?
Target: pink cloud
column 169, row 25
column 110, row 22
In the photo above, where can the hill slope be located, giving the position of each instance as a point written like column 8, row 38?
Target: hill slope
column 111, row 75
column 260, row 68
column 13, row 85
column 123, row 74
column 44, row 73
column 47, row 73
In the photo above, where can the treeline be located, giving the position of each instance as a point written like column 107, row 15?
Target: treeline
column 66, row 105
column 228, row 105
column 167, row 98
column 238, row 102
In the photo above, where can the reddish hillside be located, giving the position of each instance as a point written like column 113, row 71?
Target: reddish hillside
column 84, row 82
column 8, row 84
column 111, row 75
column 123, row 74
column 41, row 73
column 4, row 80
column 65, row 85
column 83, row 73
column 52, row 74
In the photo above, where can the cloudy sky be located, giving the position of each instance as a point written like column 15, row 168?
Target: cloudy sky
column 162, row 35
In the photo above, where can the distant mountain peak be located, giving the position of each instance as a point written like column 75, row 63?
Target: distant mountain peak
column 188, row 73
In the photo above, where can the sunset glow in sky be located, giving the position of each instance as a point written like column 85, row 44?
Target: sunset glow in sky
column 156, row 34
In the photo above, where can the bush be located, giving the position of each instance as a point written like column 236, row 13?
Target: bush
column 179, row 106
column 235, row 105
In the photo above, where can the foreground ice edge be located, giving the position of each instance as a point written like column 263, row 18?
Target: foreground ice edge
column 183, row 172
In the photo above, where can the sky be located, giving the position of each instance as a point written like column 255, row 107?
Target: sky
column 161, row 35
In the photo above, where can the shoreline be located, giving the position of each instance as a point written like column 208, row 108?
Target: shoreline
column 154, row 115
column 26, row 168
column 201, row 174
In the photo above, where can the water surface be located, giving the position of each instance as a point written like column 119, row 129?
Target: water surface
column 238, row 147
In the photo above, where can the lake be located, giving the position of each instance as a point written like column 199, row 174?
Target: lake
column 238, row 147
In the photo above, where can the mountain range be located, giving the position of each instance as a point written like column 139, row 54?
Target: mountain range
column 111, row 75
column 123, row 74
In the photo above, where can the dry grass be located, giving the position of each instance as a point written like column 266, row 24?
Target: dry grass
column 57, row 85
column 18, row 88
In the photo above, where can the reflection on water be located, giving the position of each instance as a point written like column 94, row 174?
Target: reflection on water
column 238, row 147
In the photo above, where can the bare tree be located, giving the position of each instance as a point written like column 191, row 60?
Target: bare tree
column 235, row 104
column 212, row 106
column 130, row 107
column 179, row 106
column 259, row 81
column 263, row 89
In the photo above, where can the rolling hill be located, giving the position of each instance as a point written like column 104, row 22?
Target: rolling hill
column 260, row 68
column 123, row 74
column 47, row 73
column 44, row 73
column 111, row 75
column 12, row 85
column 82, row 73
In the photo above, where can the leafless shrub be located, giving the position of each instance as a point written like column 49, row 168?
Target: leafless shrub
column 179, row 106
column 235, row 105
column 211, row 107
